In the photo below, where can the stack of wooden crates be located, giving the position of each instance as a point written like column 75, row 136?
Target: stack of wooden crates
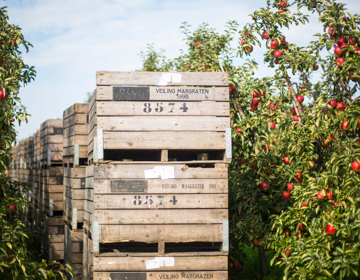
column 75, row 153
column 28, row 178
column 51, row 188
column 157, row 182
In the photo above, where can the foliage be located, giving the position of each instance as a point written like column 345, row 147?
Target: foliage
column 154, row 61
column 16, row 261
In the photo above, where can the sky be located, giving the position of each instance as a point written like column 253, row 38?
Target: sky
column 73, row 39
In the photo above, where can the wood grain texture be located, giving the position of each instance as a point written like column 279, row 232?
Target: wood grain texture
column 169, row 140
column 167, row 233
column 136, row 171
column 78, row 108
column 182, row 216
column 181, row 263
column 160, row 201
column 158, row 123
column 75, row 119
column 185, row 94
column 149, row 78
column 154, row 275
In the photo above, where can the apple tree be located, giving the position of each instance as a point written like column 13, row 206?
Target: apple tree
column 17, row 260
column 305, row 156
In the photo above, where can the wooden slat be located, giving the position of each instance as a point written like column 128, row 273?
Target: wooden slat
column 51, row 139
column 70, row 151
column 167, row 233
column 136, row 171
column 144, row 108
column 185, row 94
column 149, row 78
column 51, row 123
column 82, row 140
column 160, row 201
column 169, row 140
column 153, row 275
column 181, row 263
column 179, row 216
column 76, row 130
column 158, row 123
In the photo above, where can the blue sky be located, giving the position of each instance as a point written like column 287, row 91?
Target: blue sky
column 75, row 38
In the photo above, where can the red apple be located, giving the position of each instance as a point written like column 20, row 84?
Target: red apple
column 255, row 100
column 250, row 49
column 321, row 194
column 332, row 103
column 286, row 160
column 337, row 51
column 281, row 11
column 272, row 107
column 274, row 44
column 341, row 40
column 12, row 120
column 295, row 118
column 265, row 186
column 272, row 125
column 357, row 48
column 342, row 47
column 182, row 69
column 293, row 111
column 344, row 125
column 298, row 177
column 340, row 106
column 330, row 229
column 262, row 92
column 310, row 164
column 238, row 129
column 287, row 252
column 231, row 88
column 329, row 194
column 355, row 166
column 242, row 160
column 12, row 207
column 300, row 98
column 330, row 137
column 255, row 94
column 340, row 61
column 197, row 44
column 236, row 265
column 286, row 195
column 253, row 107
column 242, row 42
column 277, row 54
column 358, row 124
column 331, row 30
column 283, row 4
column 351, row 41
column 304, row 204
column 4, row 217
column 265, row 35
column 300, row 226
column 315, row 67
column 290, row 186
column 276, row 61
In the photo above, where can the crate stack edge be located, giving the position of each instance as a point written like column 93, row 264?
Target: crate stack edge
column 75, row 153
column 51, row 188
column 157, row 181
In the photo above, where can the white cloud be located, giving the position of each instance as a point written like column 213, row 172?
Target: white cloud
column 75, row 38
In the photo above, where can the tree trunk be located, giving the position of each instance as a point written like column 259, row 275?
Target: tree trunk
column 264, row 269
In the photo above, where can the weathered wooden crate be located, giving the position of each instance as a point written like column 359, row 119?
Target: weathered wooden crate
column 75, row 141
column 51, row 142
column 74, row 196
column 131, row 218
column 53, row 190
column 152, row 266
column 130, row 117
column 74, row 250
column 29, row 152
column 54, row 237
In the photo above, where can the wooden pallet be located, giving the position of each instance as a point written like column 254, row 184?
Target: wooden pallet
column 75, row 135
column 51, row 143
column 151, row 267
column 151, row 123
column 74, row 250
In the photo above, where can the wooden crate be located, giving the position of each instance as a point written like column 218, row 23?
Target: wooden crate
column 51, row 142
column 132, row 219
column 152, row 266
column 75, row 142
column 53, row 190
column 74, row 196
column 74, row 250
column 132, row 118
column 39, row 228
column 54, row 237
